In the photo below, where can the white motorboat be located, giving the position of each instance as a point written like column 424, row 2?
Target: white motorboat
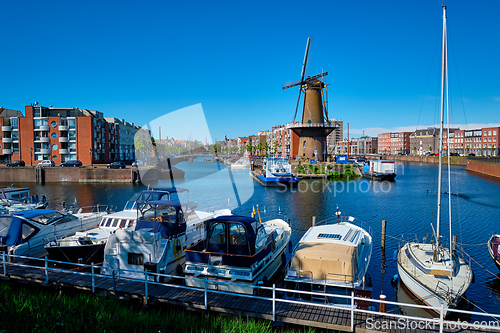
column 242, row 163
column 16, row 199
column 434, row 274
column 158, row 241
column 276, row 171
column 26, row 232
column 89, row 245
column 331, row 258
column 238, row 250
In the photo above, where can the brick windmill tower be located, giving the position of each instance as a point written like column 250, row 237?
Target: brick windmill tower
column 313, row 129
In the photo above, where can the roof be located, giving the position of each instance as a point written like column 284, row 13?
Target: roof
column 170, row 189
column 161, row 202
column 343, row 233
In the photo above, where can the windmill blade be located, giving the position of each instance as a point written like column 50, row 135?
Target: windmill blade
column 290, row 84
column 317, row 76
column 297, row 108
column 305, row 64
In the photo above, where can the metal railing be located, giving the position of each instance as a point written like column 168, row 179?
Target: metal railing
column 485, row 159
column 8, row 259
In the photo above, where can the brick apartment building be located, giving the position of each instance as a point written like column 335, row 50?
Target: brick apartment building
column 285, row 142
column 58, row 134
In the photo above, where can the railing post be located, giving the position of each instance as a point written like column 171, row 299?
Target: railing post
column 46, row 270
column 206, row 296
column 146, row 285
column 114, row 281
column 441, row 319
column 4, row 265
column 93, row 279
column 352, row 311
column 274, row 302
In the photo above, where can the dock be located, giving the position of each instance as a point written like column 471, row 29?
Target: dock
column 271, row 306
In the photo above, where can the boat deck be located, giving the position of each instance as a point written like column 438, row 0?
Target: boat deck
column 436, row 275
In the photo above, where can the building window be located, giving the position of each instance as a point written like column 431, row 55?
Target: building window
column 53, row 123
column 304, row 145
column 494, row 132
column 54, row 157
column 54, row 147
column 54, row 135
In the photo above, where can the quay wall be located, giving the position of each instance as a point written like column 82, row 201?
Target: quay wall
column 487, row 168
column 75, row 175
column 454, row 160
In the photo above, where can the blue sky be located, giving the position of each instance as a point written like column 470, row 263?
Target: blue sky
column 141, row 60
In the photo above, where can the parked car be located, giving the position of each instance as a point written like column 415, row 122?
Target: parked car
column 16, row 163
column 116, row 165
column 72, row 163
column 46, row 163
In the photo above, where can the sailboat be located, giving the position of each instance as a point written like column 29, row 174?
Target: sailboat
column 433, row 273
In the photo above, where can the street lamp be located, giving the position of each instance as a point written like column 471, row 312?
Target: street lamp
column 31, row 156
column 91, row 161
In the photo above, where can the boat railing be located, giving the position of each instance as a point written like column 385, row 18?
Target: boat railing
column 334, row 277
column 277, row 295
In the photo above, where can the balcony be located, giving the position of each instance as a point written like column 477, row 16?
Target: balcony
column 42, row 151
column 6, row 140
column 6, row 151
column 42, row 139
column 63, row 139
column 6, row 128
column 42, row 128
column 63, row 151
column 63, row 128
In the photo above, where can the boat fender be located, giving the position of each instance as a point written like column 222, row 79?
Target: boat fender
column 265, row 282
column 395, row 255
column 290, row 247
column 394, row 281
column 177, row 249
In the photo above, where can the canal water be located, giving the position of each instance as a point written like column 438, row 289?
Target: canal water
column 408, row 205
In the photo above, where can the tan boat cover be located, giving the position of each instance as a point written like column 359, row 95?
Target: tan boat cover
column 322, row 258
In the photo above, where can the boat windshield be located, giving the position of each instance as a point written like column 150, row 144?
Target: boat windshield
column 51, row 217
column 5, row 223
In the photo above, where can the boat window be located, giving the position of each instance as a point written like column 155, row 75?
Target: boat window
column 123, row 223
column 67, row 218
column 218, row 233
column 237, row 234
column 4, row 225
column 47, row 218
column 109, row 222
column 261, row 233
column 103, row 222
column 27, row 230
column 115, row 223
column 135, row 258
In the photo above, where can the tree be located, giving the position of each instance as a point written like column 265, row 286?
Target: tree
column 414, row 150
column 493, row 150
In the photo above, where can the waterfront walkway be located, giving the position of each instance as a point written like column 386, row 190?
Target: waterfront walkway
column 262, row 307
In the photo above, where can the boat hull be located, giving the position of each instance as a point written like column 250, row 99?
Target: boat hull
column 89, row 253
column 493, row 245
column 379, row 176
column 421, row 292
column 274, row 181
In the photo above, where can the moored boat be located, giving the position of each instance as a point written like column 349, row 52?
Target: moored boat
column 238, row 253
column 26, row 232
column 331, row 258
column 436, row 275
column 379, row 170
column 89, row 245
column 276, row 171
column 493, row 248
column 158, row 241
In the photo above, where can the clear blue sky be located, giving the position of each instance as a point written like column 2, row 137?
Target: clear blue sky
column 141, row 60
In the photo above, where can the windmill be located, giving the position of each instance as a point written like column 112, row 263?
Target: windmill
column 313, row 129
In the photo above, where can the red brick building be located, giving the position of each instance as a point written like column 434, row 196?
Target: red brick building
column 59, row 134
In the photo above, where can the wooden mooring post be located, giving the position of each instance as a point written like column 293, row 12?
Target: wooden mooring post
column 313, row 220
column 454, row 243
column 384, row 225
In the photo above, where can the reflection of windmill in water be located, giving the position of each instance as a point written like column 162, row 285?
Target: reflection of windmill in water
column 313, row 129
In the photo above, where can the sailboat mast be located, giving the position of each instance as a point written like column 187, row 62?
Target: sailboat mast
column 440, row 172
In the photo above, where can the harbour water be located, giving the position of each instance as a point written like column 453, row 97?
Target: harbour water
column 409, row 205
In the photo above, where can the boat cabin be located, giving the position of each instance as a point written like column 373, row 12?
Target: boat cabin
column 167, row 219
column 155, row 194
column 232, row 240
